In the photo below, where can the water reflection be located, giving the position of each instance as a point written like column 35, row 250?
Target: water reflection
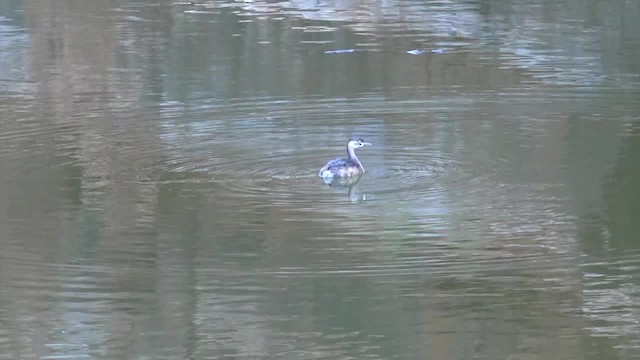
column 160, row 195
column 350, row 185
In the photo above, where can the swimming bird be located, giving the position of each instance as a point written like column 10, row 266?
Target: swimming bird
column 344, row 168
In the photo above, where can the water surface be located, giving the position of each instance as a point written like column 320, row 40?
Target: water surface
column 160, row 197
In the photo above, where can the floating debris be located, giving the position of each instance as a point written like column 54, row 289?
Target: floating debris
column 420, row 52
column 340, row 51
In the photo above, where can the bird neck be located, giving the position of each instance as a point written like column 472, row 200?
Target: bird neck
column 352, row 156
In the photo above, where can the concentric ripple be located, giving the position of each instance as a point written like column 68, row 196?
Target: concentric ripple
column 247, row 154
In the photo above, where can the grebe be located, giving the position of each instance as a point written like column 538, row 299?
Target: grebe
column 344, row 168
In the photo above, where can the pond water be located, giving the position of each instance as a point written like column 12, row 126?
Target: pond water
column 159, row 194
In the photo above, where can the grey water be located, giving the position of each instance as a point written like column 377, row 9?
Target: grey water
column 159, row 196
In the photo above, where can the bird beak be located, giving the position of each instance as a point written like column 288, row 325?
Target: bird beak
column 368, row 143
